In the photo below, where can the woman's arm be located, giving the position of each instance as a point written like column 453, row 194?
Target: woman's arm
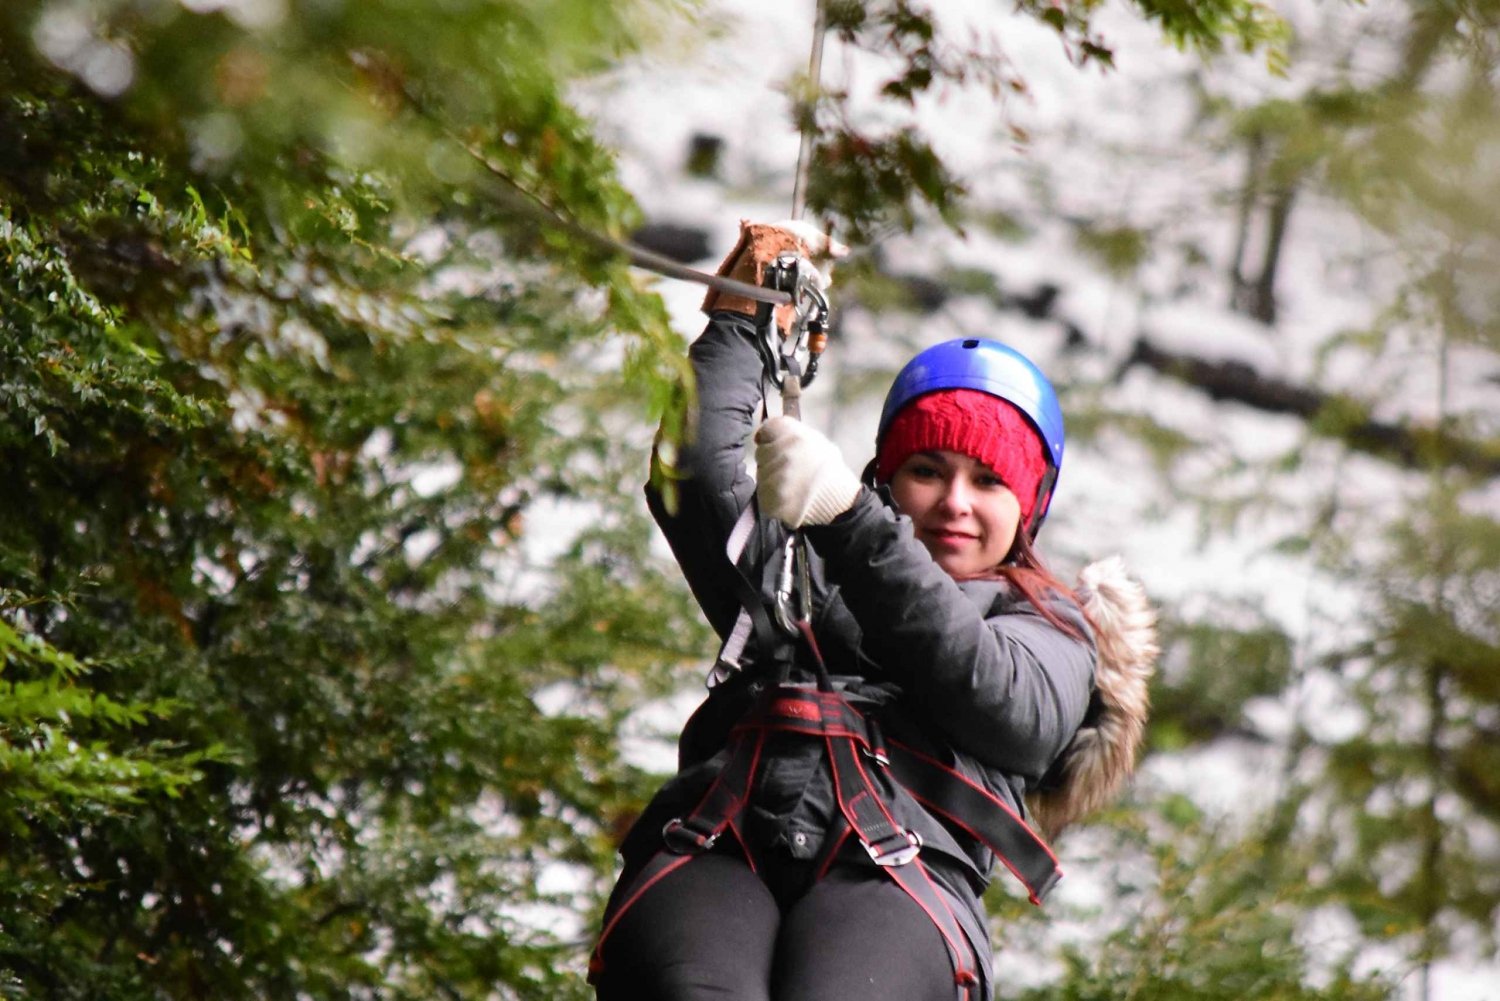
column 712, row 484
column 1010, row 689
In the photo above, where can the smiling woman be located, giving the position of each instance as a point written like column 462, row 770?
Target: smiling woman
column 848, row 786
column 960, row 509
column 970, row 444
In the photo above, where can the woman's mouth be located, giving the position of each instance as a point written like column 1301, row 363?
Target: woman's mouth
column 950, row 539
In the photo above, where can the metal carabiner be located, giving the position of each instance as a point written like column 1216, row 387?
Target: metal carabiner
column 804, row 579
column 797, row 277
column 794, row 586
column 786, row 607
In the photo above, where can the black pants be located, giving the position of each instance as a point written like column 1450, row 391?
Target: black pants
column 715, row 929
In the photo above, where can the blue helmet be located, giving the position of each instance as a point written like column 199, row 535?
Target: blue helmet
column 990, row 367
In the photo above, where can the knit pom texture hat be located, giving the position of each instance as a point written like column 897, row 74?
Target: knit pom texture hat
column 969, row 422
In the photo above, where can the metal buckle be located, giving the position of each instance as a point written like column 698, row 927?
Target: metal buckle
column 683, row 840
column 874, row 747
column 898, row 856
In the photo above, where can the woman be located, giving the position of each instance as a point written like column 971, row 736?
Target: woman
column 844, row 795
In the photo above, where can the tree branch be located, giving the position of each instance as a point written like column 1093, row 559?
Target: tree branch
column 1329, row 414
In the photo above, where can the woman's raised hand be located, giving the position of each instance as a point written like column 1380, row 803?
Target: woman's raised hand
column 760, row 244
column 801, row 477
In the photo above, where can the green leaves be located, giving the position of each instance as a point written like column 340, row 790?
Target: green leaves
column 67, row 751
column 1215, row 667
column 874, row 182
column 1201, row 910
column 1207, row 27
column 281, row 383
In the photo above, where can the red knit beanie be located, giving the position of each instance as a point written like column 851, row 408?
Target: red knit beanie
column 981, row 426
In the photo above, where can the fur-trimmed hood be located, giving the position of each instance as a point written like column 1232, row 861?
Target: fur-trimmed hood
column 1103, row 753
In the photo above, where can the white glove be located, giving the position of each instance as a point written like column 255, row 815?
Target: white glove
column 801, row 476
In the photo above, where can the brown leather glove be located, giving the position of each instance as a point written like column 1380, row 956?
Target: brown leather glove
column 758, row 246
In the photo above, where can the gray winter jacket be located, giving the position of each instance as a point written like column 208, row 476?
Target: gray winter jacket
column 969, row 673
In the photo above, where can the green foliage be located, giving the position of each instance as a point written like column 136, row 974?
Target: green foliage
column 1213, row 927
column 1412, row 155
column 1417, row 782
column 1167, row 446
column 1211, row 669
column 66, row 751
column 872, row 174
column 1201, row 27
column 281, row 382
column 1120, row 249
column 873, row 182
column 1207, row 27
column 1385, row 805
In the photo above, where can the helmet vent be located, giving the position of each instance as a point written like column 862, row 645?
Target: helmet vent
column 971, row 343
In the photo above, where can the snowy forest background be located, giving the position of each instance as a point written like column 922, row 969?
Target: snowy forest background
column 338, row 649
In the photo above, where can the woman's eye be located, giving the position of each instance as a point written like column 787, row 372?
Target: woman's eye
column 989, row 480
column 924, row 472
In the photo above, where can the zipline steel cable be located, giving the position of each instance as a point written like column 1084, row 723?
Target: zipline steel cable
column 529, row 204
column 791, row 390
column 809, row 122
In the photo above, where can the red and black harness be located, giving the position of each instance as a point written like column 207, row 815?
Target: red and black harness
column 870, row 774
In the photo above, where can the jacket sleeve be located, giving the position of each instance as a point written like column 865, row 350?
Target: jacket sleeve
column 713, row 486
column 1010, row 689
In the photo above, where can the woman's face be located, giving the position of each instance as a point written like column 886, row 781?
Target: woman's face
column 961, row 511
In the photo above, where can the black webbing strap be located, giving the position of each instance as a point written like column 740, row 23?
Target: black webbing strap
column 684, row 838
column 972, row 808
column 753, row 622
column 752, row 628
column 864, row 810
column 944, row 791
column 852, row 742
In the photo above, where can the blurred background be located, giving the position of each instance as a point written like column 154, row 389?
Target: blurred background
column 338, row 649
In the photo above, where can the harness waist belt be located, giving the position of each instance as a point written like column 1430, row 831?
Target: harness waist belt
column 943, row 791
column 858, row 755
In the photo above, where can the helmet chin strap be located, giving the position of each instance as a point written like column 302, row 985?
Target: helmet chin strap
column 1043, row 500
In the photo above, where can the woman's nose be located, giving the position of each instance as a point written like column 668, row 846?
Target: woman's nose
column 956, row 495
